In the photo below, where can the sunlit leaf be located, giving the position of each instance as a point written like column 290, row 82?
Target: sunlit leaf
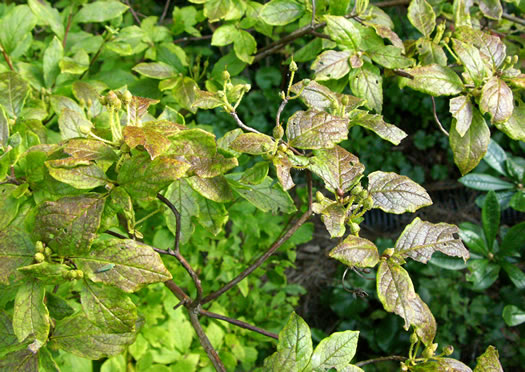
column 377, row 124
column 489, row 361
column 14, row 93
column 497, row 100
column 335, row 351
column 462, row 110
column 422, row 16
column 16, row 250
column 253, row 143
column 367, row 83
column 314, row 129
column 435, row 80
column 154, row 142
column 331, row 65
column 281, row 12
column 356, row 251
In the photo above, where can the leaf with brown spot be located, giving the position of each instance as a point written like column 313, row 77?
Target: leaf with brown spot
column 138, row 107
column 356, row 251
column 154, row 142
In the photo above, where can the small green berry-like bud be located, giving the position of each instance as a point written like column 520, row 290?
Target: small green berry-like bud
column 515, row 59
column 278, row 132
column 354, row 228
column 48, row 252
column 113, row 99
column 363, row 194
column 448, row 350
column 127, row 97
column 103, row 101
column 306, row 82
column 73, row 274
column 404, row 367
column 39, row 246
column 388, row 252
column 356, row 190
column 293, row 66
column 225, row 75
column 80, row 274
column 368, row 203
column 413, row 338
column 39, row 257
column 508, row 60
column 345, row 100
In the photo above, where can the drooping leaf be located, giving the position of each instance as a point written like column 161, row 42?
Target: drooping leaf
column 108, row 308
column 46, row 272
column 472, row 147
column 281, row 12
column 490, row 217
column 421, row 239
column 47, row 15
column 338, row 168
column 462, row 110
column 516, row 276
column 16, row 250
column 68, row 225
column 491, row 9
column 268, row 195
column 376, row 124
column 367, row 83
column 245, row 46
column 182, row 196
column 77, row 335
column 497, row 100
column 434, row 79
column 331, row 64
column 14, row 93
column 396, row 292
column 491, row 47
column 144, row 178
column 283, row 166
column 30, row 315
column 314, row 129
column 135, row 264
column 422, row 16
column 89, row 149
column 82, row 177
column 100, row 11
column 335, row 351
column 333, row 215
column 154, row 142
column 389, row 56
column 253, row 143
column 397, row 194
column 216, row 188
column 52, row 56
column 356, row 251
column 489, row 361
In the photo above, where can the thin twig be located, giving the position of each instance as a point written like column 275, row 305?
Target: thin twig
column 133, row 13
column 241, row 124
column 436, row 117
column 7, row 59
column 206, row 344
column 116, row 234
column 390, row 3
column 192, row 38
column 97, row 54
column 239, row 323
column 381, row 359
column 68, row 26
column 176, row 244
column 313, row 13
column 514, row 19
column 403, row 73
column 320, row 35
column 178, row 292
column 279, row 242
column 165, row 11
column 280, row 110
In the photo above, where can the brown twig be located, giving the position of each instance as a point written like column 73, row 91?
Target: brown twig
column 97, row 54
column 514, row 19
column 241, row 124
column 436, row 117
column 133, row 13
column 164, row 11
column 313, row 13
column 192, row 38
column 239, row 323
column 68, row 26
column 206, row 344
column 176, row 244
column 178, row 292
column 381, row 359
column 390, row 3
column 280, row 241
column 7, row 59
column 320, row 35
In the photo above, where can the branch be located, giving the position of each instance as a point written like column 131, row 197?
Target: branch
column 389, row 3
column 279, row 242
column 192, row 38
column 133, row 13
column 206, row 344
column 178, row 292
column 7, row 59
column 176, row 245
column 68, row 26
column 95, row 57
column 241, row 124
column 436, row 117
column 164, row 12
column 514, row 19
column 239, row 323
column 381, row 359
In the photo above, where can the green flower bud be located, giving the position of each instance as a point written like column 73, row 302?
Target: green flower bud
column 282, row 95
column 306, row 82
column 73, row 274
column 39, row 257
column 82, row 102
column 345, row 101
column 368, row 203
column 103, row 101
column 363, row 194
column 127, row 97
column 508, row 60
column 515, row 59
column 282, row 147
column 225, row 75
column 319, row 196
column 293, row 66
column 113, row 100
column 80, row 274
column 388, row 252
column 39, row 246
column 354, row 228
column 413, row 338
column 124, row 147
column 278, row 132
column 448, row 350
column 48, row 252
column 357, row 189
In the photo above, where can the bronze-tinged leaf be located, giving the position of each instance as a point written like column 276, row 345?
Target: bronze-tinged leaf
column 206, row 167
column 367, row 83
column 69, row 225
column 396, row 194
column 333, row 215
column 497, row 100
column 421, row 239
column 283, row 166
column 89, row 149
column 321, row 98
column 16, row 250
column 396, row 292
column 89, row 94
column 154, row 142
column 14, row 93
column 376, row 124
column 331, row 64
column 335, row 351
column 355, row 251
column 492, row 48
column 73, row 124
column 123, row 263
column 387, row 33
column 207, row 100
column 254, row 144
column 138, row 107
column 489, row 361
column 471, row 59
column 83, row 177
column 338, row 168
column 462, row 110
column 21, row 360
column 435, row 80
column 441, row 365
column 514, row 127
column 216, row 188
column 164, row 127
column 314, row 129
column 30, row 314
column 422, row 16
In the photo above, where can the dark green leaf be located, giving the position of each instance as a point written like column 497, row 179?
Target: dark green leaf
column 514, row 240
column 496, row 157
column 21, row 360
column 517, row 201
column 485, row 182
column 490, row 214
column 517, row 277
column 482, row 274
column 100, row 11
column 513, row 315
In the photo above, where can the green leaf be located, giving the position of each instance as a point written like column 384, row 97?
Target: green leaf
column 335, row 351
column 73, row 124
column 491, row 9
column 14, row 93
column 184, row 92
column 422, row 16
column 472, row 147
column 497, row 100
column 434, row 79
column 48, row 273
column 155, row 70
column 80, row 337
column 490, row 217
column 82, row 177
column 314, row 129
column 69, row 225
column 338, row 168
column 143, row 178
column 100, row 11
column 492, row 48
column 421, row 239
column 135, row 264
column 256, row 174
column 317, row 96
column 517, row 201
column 224, row 35
column 513, row 126
column 430, row 52
column 295, row 342
column 47, row 15
column 4, row 131
column 76, row 65
column 281, row 12
column 216, row 188
column 517, row 277
column 253, row 143
column 58, row 307
column 396, row 194
column 21, row 360
column 389, row 56
column 153, row 141
column 16, row 250
column 376, row 124
column 367, row 83
column 474, row 238
column 182, row 196
column 214, row 10
column 343, row 31
column 268, row 195
column 462, row 110
column 30, row 315
column 333, row 215
column 513, row 240
column 355, row 251
column 496, row 157
column 52, row 56
column 483, row 273
column 441, row 364
column 8, row 205
column 89, row 149
column 489, row 361
column 244, row 46
column 108, row 308
column 331, row 65
column 471, row 59
column 513, row 315
column 485, row 182
column 212, row 216
column 15, row 30
column 396, row 292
